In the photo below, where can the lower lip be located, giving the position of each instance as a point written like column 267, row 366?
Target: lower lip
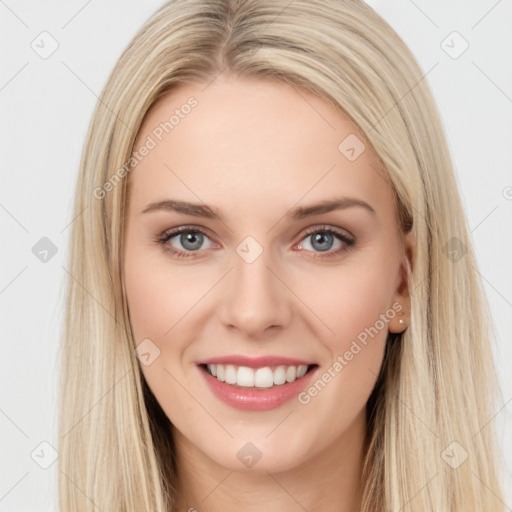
column 256, row 399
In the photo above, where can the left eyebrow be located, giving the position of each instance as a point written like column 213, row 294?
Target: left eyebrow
column 329, row 206
column 203, row 210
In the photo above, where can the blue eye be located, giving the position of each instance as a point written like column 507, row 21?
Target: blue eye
column 191, row 239
column 322, row 240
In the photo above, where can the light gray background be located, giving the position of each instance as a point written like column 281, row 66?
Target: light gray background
column 46, row 107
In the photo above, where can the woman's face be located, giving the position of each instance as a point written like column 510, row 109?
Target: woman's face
column 261, row 272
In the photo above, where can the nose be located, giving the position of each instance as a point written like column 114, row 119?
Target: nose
column 255, row 299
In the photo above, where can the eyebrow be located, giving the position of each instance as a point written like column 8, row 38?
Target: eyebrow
column 203, row 210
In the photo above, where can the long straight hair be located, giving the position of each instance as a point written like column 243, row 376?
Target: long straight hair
column 437, row 389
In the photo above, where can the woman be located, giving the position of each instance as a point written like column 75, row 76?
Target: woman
column 275, row 300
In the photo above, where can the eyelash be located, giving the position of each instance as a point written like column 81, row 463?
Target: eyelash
column 348, row 242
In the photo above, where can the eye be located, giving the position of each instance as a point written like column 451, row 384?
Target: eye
column 190, row 239
column 321, row 239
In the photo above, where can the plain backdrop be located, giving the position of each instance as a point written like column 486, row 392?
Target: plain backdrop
column 47, row 102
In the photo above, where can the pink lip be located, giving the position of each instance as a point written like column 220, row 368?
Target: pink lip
column 255, row 399
column 255, row 362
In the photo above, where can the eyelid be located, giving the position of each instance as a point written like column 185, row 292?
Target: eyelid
column 171, row 232
column 343, row 233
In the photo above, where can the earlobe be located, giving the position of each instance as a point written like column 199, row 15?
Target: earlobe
column 400, row 322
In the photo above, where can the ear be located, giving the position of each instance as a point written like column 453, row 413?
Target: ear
column 401, row 295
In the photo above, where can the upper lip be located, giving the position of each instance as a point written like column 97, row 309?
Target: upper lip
column 255, row 362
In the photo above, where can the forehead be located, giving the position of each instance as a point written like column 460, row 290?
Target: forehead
column 253, row 138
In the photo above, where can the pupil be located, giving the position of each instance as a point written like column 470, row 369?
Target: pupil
column 321, row 238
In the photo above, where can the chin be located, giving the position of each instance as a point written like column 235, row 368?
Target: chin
column 257, row 456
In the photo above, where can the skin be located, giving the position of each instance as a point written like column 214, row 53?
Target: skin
column 254, row 149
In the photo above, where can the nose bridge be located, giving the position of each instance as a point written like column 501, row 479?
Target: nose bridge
column 254, row 299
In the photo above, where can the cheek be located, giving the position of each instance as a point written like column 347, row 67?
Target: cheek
column 348, row 299
column 354, row 306
column 159, row 295
column 160, row 300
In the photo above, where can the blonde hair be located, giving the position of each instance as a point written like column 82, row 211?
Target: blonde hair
column 438, row 383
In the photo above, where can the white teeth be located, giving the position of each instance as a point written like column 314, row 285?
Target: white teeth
column 245, row 376
column 291, row 373
column 301, row 371
column 230, row 374
column 264, row 378
column 280, row 375
column 261, row 377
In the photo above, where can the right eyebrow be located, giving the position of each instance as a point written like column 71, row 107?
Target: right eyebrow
column 198, row 210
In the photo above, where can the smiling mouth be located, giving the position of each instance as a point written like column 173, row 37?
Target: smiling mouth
column 257, row 378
